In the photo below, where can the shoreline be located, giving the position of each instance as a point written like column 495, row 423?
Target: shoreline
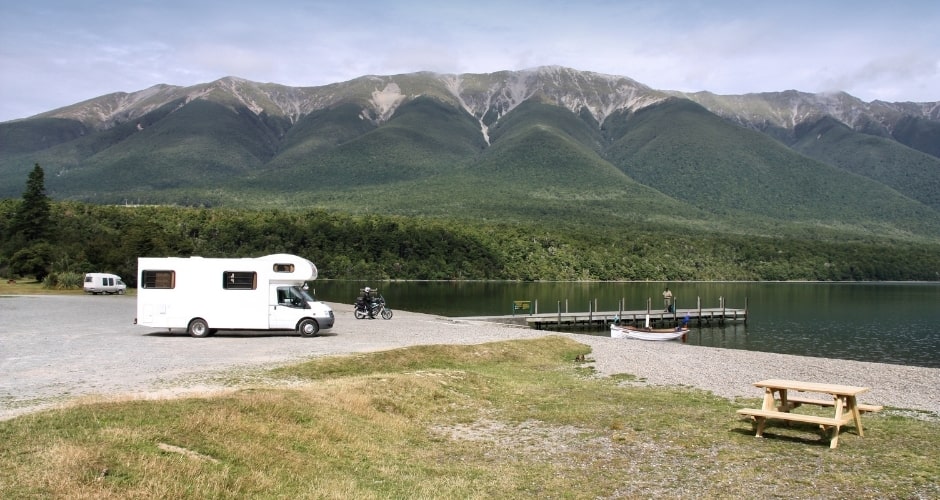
column 730, row 373
column 98, row 353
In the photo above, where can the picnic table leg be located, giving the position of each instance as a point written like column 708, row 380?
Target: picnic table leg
column 784, row 404
column 761, row 422
column 769, row 403
column 834, row 442
column 856, row 414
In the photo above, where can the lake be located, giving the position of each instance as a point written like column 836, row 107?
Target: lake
column 895, row 323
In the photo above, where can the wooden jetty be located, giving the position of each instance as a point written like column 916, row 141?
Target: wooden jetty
column 596, row 319
column 523, row 313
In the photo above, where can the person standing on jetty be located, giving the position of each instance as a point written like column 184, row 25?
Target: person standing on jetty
column 667, row 299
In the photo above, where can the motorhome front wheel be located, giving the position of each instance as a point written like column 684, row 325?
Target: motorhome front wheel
column 308, row 328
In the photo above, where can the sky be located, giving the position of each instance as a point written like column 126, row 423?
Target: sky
column 54, row 53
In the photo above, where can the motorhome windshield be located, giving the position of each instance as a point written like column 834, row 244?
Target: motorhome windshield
column 304, row 294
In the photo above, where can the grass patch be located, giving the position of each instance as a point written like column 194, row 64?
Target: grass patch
column 506, row 419
column 33, row 287
column 23, row 287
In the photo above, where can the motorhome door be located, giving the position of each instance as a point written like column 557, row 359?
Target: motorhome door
column 285, row 309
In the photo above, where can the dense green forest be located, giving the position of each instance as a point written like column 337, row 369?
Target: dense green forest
column 84, row 237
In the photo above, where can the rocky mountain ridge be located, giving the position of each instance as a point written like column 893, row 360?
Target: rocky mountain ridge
column 790, row 108
column 488, row 97
column 511, row 145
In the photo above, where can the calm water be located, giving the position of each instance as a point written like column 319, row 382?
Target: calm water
column 885, row 322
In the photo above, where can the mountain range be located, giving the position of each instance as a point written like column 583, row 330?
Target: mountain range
column 550, row 143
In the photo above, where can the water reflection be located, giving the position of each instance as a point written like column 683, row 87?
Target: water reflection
column 884, row 322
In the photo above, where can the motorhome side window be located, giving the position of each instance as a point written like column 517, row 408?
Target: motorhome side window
column 239, row 280
column 283, row 268
column 159, row 279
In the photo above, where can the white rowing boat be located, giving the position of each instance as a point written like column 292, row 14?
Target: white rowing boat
column 623, row 332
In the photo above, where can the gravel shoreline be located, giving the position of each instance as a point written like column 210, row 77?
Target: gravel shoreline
column 93, row 350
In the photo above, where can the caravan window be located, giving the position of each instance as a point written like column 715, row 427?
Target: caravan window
column 239, row 280
column 283, row 268
column 158, row 279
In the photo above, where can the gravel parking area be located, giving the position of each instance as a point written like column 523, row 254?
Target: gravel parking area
column 56, row 348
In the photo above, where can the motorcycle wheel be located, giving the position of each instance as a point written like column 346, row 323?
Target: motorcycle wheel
column 360, row 314
column 386, row 313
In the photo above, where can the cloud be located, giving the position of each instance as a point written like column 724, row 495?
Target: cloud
column 228, row 60
column 883, row 75
column 55, row 52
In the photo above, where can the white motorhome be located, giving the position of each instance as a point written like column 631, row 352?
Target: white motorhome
column 96, row 283
column 202, row 295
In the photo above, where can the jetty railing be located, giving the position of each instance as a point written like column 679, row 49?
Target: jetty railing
column 594, row 317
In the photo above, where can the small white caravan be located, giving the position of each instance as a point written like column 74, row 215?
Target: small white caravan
column 202, row 295
column 96, row 283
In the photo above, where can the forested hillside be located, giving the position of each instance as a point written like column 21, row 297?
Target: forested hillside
column 84, row 237
column 543, row 174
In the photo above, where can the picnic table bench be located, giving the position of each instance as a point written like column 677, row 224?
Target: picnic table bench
column 847, row 408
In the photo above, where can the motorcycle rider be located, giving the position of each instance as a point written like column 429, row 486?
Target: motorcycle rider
column 366, row 301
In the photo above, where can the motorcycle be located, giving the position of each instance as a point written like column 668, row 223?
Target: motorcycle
column 372, row 305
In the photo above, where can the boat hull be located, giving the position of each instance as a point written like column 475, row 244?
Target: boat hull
column 620, row 332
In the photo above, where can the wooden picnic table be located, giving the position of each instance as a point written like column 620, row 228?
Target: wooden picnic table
column 778, row 402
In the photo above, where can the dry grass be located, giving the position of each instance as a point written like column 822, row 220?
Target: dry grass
column 505, row 420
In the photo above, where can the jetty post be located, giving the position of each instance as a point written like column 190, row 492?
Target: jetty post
column 722, row 301
column 699, row 301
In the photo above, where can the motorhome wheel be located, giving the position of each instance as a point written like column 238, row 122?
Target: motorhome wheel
column 308, row 328
column 198, row 328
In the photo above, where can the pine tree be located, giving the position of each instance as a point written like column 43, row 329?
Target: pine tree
column 32, row 218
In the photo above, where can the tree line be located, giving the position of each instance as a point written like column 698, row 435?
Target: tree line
column 58, row 241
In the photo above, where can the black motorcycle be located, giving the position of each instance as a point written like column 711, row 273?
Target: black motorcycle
column 372, row 305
